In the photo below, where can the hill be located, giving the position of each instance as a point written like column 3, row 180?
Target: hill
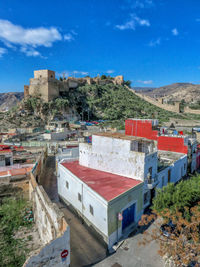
column 108, row 102
column 177, row 92
column 9, row 100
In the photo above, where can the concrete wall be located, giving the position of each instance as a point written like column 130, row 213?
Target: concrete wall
column 115, row 156
column 51, row 224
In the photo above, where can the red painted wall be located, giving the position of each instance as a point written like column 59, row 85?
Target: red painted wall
column 140, row 129
column 143, row 128
column 170, row 143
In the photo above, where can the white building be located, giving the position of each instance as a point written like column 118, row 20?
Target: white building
column 6, row 158
column 100, row 198
column 116, row 175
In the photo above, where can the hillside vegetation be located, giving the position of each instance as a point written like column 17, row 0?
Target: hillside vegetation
column 108, row 102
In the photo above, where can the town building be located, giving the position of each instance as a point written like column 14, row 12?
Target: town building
column 6, row 156
column 176, row 142
column 116, row 175
column 100, row 198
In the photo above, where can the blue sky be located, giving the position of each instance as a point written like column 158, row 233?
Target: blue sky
column 150, row 42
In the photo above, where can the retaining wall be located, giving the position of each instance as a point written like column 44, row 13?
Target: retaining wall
column 51, row 224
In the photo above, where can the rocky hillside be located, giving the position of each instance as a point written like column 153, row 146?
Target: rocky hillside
column 177, row 92
column 9, row 100
column 108, row 102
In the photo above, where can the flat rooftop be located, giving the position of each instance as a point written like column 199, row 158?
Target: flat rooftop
column 171, row 156
column 107, row 185
column 123, row 136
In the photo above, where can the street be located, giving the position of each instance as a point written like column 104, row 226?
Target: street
column 86, row 250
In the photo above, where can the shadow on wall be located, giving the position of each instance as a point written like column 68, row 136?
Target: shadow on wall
column 51, row 224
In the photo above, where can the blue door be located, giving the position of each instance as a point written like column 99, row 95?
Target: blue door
column 128, row 216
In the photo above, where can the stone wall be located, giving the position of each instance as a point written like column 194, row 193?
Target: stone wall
column 26, row 91
column 45, row 85
column 191, row 111
column 160, row 103
column 51, row 224
column 173, row 108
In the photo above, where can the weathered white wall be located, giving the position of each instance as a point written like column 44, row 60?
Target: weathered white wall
column 89, row 197
column 115, row 156
column 50, row 255
column 51, row 224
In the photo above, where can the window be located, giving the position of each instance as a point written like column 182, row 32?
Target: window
column 139, row 147
column 79, row 197
column 67, row 184
column 146, row 197
column 150, row 172
column 91, row 210
column 169, row 176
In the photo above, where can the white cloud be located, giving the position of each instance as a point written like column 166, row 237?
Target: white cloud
column 145, row 82
column 68, row 37
column 15, row 34
column 175, row 32
column 155, row 42
column 80, row 72
column 27, row 39
column 30, row 52
column 110, row 71
column 71, row 73
column 133, row 22
column 2, row 51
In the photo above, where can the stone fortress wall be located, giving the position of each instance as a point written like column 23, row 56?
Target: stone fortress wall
column 45, row 84
column 159, row 102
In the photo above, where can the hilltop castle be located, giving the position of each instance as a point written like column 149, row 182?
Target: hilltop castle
column 45, row 85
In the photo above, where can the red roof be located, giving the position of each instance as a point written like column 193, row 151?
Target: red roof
column 106, row 184
column 5, row 151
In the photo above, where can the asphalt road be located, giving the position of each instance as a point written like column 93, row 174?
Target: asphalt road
column 86, row 250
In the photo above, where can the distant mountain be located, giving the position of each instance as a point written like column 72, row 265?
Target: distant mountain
column 9, row 100
column 145, row 89
column 176, row 92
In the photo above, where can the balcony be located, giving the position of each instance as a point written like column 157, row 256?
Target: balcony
column 151, row 182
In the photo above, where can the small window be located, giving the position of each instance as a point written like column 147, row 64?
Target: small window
column 169, row 176
column 150, row 172
column 79, row 197
column 67, row 184
column 91, row 210
column 146, row 197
